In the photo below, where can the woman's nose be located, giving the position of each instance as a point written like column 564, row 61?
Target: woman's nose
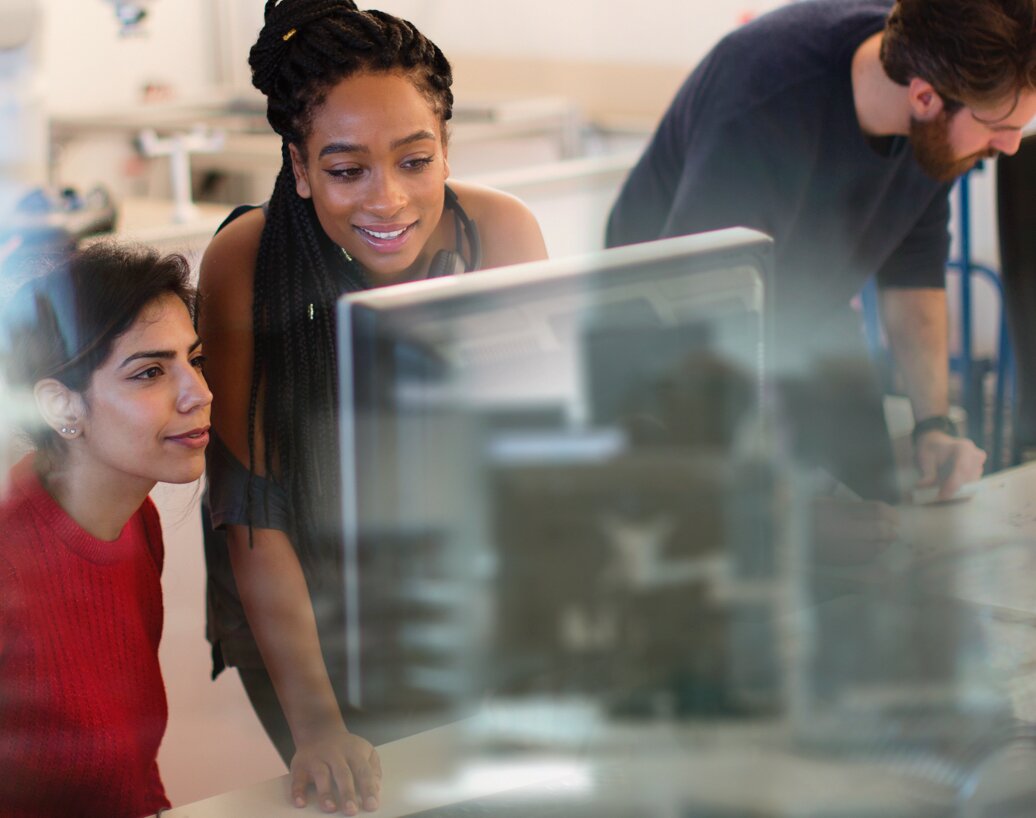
column 386, row 196
column 195, row 393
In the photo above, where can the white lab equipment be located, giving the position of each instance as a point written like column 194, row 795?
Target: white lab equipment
column 178, row 148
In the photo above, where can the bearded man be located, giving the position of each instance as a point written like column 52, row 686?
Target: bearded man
column 838, row 127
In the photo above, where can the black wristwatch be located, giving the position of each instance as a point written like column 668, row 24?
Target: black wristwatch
column 935, row 423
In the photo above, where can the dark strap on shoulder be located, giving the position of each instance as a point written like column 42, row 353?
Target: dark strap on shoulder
column 452, row 202
column 239, row 211
column 465, row 225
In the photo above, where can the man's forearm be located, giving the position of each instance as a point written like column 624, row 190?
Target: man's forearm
column 916, row 324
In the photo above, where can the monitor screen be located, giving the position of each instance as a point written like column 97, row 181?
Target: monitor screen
column 537, row 467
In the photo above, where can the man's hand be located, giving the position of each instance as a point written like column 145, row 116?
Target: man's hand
column 335, row 759
column 947, row 462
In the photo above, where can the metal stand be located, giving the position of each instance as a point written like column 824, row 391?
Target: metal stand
column 179, row 148
column 972, row 397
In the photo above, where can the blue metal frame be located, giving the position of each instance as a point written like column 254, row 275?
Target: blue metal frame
column 971, row 390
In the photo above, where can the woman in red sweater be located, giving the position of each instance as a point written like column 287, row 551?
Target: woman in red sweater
column 103, row 356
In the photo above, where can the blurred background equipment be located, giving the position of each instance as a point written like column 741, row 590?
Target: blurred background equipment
column 39, row 221
column 45, row 224
column 179, row 147
column 130, row 15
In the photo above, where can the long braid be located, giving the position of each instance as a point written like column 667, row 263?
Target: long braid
column 305, row 48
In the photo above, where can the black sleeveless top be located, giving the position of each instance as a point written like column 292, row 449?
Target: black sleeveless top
column 225, row 501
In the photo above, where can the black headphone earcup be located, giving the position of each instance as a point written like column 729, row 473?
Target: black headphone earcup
column 446, row 263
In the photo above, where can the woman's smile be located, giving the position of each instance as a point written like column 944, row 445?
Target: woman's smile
column 386, row 238
column 194, row 439
column 376, row 174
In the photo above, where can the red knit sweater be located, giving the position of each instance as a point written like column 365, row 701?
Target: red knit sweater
column 82, row 704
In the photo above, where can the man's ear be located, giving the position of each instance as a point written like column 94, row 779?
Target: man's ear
column 62, row 409
column 298, row 167
column 925, row 102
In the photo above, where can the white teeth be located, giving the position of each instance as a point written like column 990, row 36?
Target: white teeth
column 393, row 235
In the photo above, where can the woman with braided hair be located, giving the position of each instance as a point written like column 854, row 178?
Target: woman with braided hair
column 361, row 100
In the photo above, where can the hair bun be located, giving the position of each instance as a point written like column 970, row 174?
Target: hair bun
column 306, row 46
column 284, row 22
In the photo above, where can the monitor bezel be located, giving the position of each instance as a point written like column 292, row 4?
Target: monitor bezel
column 359, row 310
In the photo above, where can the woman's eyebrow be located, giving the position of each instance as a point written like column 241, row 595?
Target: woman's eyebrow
column 351, row 147
column 161, row 354
column 342, row 147
column 416, row 136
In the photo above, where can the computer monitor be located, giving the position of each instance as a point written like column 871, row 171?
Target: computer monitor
column 537, row 469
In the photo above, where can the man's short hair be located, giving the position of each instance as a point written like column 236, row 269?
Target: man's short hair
column 971, row 51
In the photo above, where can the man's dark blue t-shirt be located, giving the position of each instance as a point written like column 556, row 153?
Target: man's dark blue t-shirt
column 764, row 134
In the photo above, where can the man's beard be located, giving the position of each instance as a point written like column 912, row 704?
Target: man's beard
column 933, row 152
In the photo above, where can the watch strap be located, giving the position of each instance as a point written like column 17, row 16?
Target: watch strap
column 935, row 423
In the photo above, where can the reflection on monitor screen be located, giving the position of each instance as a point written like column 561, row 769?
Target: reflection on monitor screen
column 547, row 485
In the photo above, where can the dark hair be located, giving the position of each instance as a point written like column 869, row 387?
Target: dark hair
column 305, row 48
column 971, row 51
column 63, row 324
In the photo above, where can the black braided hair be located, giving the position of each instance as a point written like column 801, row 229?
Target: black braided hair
column 305, row 48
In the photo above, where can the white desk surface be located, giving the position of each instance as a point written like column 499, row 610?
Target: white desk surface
column 740, row 766
column 656, row 767
column 151, row 220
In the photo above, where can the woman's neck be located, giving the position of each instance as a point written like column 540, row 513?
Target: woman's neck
column 100, row 502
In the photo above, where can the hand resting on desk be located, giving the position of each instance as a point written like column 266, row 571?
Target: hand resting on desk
column 927, row 496
column 334, row 757
column 947, row 462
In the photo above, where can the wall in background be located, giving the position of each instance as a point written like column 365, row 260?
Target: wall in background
column 649, row 32
column 87, row 66
column 193, row 44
